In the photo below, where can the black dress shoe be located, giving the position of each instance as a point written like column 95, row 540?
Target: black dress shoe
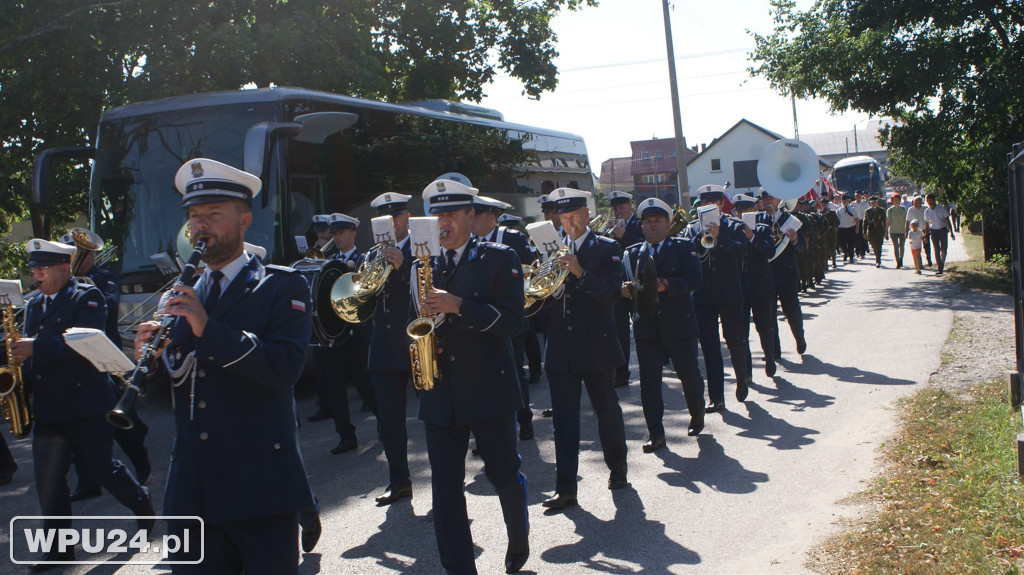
column 525, row 434
column 345, row 445
column 715, row 407
column 801, row 345
column 696, row 425
column 83, row 494
column 547, row 412
column 320, row 415
column 52, row 556
column 394, row 493
column 560, row 501
column 769, row 367
column 7, row 476
column 653, row 444
column 309, row 521
column 741, row 390
column 516, row 556
column 617, row 483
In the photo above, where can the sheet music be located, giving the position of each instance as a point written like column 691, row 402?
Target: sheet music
column 10, row 293
column 425, row 236
column 544, row 236
column 750, row 219
column 94, row 345
column 384, row 230
column 302, row 244
column 791, row 224
column 708, row 214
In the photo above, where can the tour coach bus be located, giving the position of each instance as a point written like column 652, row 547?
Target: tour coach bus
column 859, row 174
column 316, row 153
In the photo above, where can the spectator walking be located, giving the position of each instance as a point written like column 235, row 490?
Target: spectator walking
column 937, row 221
column 916, row 238
column 916, row 212
column 896, row 228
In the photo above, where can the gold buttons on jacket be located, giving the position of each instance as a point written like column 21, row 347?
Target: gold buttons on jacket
column 202, row 404
column 204, row 436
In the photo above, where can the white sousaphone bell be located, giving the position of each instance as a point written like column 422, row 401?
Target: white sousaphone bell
column 787, row 169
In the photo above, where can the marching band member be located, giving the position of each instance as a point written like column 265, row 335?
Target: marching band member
column 132, row 441
column 479, row 288
column 343, row 364
column 785, row 273
column 721, row 297
column 665, row 325
column 322, row 229
column 389, row 349
column 69, row 396
column 548, row 208
column 627, row 232
column 758, row 286
column 582, row 348
column 235, row 352
column 485, row 227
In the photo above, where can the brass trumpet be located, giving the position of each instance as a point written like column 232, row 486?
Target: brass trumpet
column 354, row 295
column 13, row 397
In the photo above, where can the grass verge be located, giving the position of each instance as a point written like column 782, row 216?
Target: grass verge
column 950, row 500
column 977, row 273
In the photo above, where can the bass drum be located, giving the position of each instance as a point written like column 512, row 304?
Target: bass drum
column 328, row 328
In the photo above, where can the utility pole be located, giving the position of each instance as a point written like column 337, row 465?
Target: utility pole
column 796, row 126
column 682, row 182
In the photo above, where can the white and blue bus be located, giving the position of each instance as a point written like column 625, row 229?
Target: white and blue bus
column 316, row 152
column 859, row 174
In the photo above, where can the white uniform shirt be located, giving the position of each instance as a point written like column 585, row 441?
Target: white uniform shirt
column 847, row 216
column 936, row 218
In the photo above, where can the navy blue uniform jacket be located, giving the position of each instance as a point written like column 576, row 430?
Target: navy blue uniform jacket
column 479, row 380
column 723, row 283
column 581, row 335
column 757, row 270
column 64, row 384
column 239, row 458
column 676, row 262
column 109, row 283
column 389, row 344
column 515, row 240
column 634, row 233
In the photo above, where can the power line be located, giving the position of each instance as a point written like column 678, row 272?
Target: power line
column 654, row 60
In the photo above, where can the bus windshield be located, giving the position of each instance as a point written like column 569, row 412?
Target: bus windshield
column 859, row 178
column 134, row 202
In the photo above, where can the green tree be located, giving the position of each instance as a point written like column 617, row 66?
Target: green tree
column 946, row 71
column 63, row 62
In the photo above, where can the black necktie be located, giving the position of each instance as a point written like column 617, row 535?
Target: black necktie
column 214, row 294
column 450, row 266
column 46, row 303
column 656, row 246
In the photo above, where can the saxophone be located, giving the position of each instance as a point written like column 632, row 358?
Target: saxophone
column 13, row 399
column 423, row 349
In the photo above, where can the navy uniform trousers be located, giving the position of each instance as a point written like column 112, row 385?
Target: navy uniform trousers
column 759, row 289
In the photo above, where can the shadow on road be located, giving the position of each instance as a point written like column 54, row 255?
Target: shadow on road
column 811, row 365
column 402, row 544
column 785, row 393
column 764, row 426
column 712, row 467
column 629, row 537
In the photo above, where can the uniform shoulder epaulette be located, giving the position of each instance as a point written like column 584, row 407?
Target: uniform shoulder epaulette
column 636, row 245
column 492, row 245
column 276, row 269
column 606, row 240
column 515, row 233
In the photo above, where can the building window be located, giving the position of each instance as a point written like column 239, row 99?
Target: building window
column 645, row 155
column 716, row 165
column 659, row 155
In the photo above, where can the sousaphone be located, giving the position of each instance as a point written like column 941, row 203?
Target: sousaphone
column 787, row 169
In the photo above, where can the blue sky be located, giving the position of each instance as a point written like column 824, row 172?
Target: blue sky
column 613, row 80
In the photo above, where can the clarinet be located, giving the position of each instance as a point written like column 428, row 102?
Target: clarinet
column 120, row 416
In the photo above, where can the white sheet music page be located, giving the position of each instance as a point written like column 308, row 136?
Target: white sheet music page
column 94, row 345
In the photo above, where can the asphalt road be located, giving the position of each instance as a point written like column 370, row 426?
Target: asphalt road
column 751, row 494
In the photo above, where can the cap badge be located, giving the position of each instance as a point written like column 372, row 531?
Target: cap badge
column 36, row 245
column 197, row 169
column 440, row 187
column 387, row 197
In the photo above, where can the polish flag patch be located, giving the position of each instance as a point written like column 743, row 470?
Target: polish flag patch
column 515, row 272
column 299, row 305
column 92, row 304
column 616, row 259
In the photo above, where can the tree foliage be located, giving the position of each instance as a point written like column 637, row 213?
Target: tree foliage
column 946, row 71
column 62, row 62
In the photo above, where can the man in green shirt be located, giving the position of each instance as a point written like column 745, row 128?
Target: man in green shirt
column 896, row 227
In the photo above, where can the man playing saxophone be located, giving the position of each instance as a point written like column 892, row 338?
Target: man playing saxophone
column 478, row 287
column 69, row 395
